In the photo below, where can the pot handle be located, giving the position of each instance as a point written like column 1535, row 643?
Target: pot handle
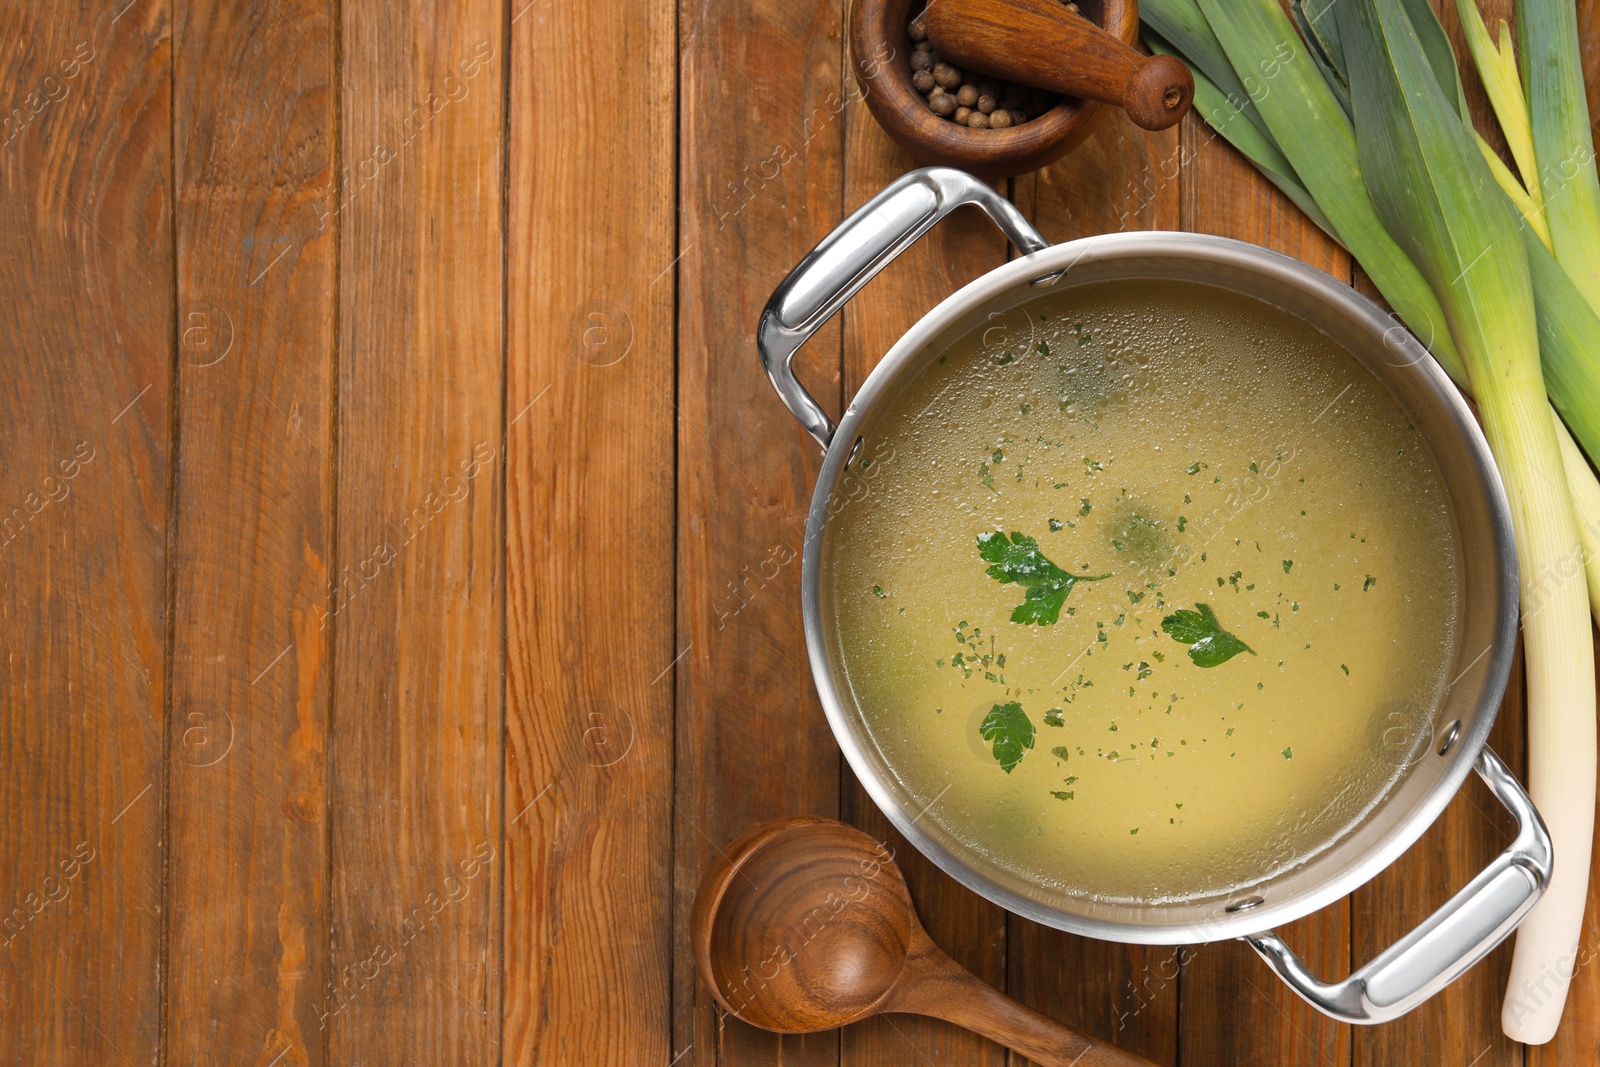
column 1450, row 940
column 847, row 259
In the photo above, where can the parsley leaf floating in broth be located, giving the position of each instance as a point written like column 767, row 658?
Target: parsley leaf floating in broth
column 1209, row 644
column 1011, row 732
column 1019, row 560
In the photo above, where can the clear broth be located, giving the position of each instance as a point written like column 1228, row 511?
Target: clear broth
column 1201, row 448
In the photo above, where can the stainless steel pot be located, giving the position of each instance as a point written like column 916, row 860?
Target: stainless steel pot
column 1479, row 916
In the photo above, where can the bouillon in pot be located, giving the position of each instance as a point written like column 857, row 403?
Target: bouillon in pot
column 1150, row 595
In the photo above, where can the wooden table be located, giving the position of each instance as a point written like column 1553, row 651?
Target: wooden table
column 396, row 557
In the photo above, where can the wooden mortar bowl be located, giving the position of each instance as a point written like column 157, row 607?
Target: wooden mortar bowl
column 881, row 55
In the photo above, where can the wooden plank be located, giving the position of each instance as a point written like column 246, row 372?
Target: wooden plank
column 249, row 904
column 1233, row 1010
column 761, row 135
column 964, row 924
column 417, row 605
column 85, row 399
column 590, row 626
column 1120, row 178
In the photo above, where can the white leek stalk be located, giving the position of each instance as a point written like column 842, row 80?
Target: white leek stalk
column 1433, row 189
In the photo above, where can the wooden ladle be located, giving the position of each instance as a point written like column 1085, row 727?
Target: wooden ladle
column 805, row 924
column 1041, row 43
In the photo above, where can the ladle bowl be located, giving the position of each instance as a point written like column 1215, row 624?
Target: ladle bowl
column 806, row 924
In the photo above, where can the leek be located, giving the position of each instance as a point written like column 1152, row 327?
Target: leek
column 1185, row 30
column 1219, row 112
column 1323, row 47
column 1531, row 210
column 1432, row 187
column 1569, row 334
column 1552, row 76
column 1313, row 14
column 1497, row 69
column 1435, row 44
column 1567, row 326
column 1586, row 503
column 1316, row 137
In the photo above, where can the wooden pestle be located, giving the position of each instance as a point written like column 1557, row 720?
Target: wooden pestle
column 1042, row 44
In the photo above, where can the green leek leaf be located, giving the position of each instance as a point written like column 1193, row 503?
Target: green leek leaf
column 1186, row 33
column 1569, row 343
column 1317, row 17
column 1552, row 79
column 1497, row 69
column 1440, row 55
column 1331, row 73
column 1220, row 112
column 1315, row 136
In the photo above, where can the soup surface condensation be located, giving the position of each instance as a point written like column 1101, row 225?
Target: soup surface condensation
column 1151, row 594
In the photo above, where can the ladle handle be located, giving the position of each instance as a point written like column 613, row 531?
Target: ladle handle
column 934, row 984
column 1041, row 43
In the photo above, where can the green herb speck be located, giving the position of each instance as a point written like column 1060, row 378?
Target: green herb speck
column 1018, row 560
column 1008, row 727
column 1209, row 644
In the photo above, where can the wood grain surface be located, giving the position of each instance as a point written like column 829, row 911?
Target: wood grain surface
column 399, row 542
column 589, row 827
column 761, row 136
column 86, row 402
column 248, row 881
column 415, row 842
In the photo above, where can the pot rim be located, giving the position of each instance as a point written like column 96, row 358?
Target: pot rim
column 1044, row 269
